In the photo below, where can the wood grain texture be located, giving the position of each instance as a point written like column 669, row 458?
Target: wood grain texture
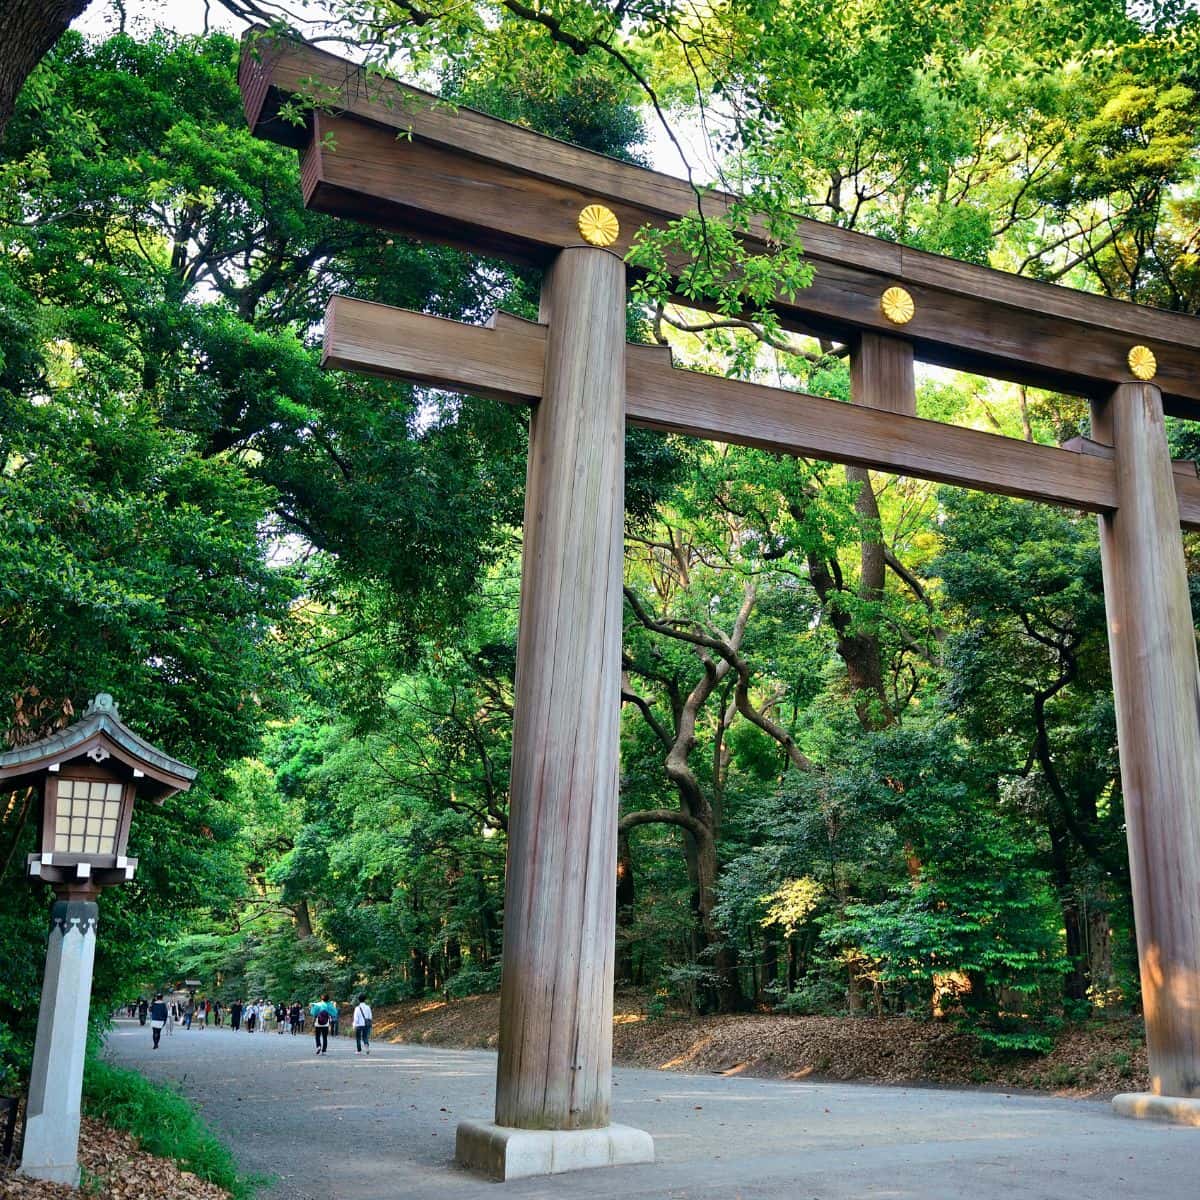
column 555, row 1066
column 1156, row 686
column 881, row 374
column 478, row 182
column 504, row 360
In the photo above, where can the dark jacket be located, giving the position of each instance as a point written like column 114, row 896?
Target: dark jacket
column 158, row 1011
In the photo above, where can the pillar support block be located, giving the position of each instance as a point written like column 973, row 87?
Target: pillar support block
column 503, row 1153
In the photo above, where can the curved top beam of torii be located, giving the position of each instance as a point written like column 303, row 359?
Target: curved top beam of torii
column 461, row 177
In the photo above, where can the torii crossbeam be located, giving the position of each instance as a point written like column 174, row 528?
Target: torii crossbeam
column 460, row 177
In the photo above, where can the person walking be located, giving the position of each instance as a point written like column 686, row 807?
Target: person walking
column 362, row 1025
column 322, row 1015
column 142, row 1009
column 281, row 1018
column 295, row 1018
column 158, row 1018
column 189, row 1011
column 235, row 1016
column 251, row 1017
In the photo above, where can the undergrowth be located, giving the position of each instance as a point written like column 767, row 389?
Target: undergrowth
column 164, row 1123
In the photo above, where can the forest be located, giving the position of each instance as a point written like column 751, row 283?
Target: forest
column 869, row 759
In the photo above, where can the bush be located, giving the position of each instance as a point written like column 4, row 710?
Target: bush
column 164, row 1123
column 473, row 981
column 816, row 996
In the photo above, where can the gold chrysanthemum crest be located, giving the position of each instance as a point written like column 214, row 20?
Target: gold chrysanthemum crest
column 897, row 305
column 599, row 225
column 1142, row 362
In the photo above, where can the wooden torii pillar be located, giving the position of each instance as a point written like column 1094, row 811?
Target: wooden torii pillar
column 1156, row 686
column 465, row 179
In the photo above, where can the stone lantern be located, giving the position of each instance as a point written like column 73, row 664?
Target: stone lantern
column 89, row 775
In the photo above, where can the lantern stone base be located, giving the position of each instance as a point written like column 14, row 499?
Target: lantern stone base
column 504, row 1153
column 67, row 1173
column 51, row 1149
column 1146, row 1106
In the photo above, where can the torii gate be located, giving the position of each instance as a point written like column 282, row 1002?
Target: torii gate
column 459, row 177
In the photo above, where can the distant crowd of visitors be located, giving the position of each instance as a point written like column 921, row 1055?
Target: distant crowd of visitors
column 255, row 1016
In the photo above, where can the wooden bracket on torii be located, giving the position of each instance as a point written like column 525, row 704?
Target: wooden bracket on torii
column 395, row 157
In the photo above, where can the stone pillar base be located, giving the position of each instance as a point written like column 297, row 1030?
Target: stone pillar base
column 51, row 1147
column 1146, row 1106
column 504, row 1153
column 67, row 1173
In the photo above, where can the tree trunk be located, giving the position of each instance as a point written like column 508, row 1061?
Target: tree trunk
column 303, row 917
column 856, row 1001
column 419, row 968
column 770, row 961
column 626, row 896
column 726, row 993
column 1099, row 951
column 453, row 957
column 1075, row 982
column 28, row 30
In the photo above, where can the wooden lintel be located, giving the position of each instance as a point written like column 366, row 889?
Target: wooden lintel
column 505, row 360
column 461, row 177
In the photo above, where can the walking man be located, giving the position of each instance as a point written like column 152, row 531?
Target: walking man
column 158, row 1018
column 235, row 1015
column 322, row 1015
column 362, row 1025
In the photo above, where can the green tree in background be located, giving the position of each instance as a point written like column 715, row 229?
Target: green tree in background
column 868, row 758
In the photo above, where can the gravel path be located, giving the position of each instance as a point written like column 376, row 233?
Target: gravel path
column 347, row 1127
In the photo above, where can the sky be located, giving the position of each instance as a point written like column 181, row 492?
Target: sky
column 184, row 16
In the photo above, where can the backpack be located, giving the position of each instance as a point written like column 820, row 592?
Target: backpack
column 323, row 1018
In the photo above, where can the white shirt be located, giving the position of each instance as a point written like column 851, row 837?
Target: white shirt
column 362, row 1014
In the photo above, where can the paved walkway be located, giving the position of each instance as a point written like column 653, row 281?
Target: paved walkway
column 344, row 1127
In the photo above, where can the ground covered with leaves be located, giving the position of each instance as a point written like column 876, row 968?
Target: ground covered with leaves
column 1098, row 1058
column 115, row 1167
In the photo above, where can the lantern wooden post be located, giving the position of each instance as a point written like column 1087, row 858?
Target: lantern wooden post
column 1156, row 686
column 554, row 1074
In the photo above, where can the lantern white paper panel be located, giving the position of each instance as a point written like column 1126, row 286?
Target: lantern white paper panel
column 87, row 816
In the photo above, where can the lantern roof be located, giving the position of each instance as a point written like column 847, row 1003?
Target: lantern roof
column 100, row 734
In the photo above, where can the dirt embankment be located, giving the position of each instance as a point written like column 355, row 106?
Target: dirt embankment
column 1096, row 1059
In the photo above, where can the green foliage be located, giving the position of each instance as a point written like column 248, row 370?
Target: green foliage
column 976, row 905
column 869, row 759
column 165, row 1124
column 790, row 906
column 720, row 273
